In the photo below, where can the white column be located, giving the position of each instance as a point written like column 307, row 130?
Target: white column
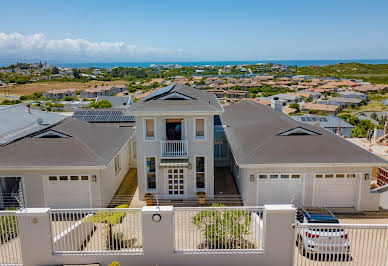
column 35, row 235
column 279, row 234
column 158, row 236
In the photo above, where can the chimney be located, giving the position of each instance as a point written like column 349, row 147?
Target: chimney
column 276, row 104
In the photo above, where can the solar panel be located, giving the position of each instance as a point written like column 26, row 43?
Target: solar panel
column 324, row 119
column 88, row 118
column 308, row 119
column 116, row 113
column 115, row 118
column 128, row 118
column 91, row 112
column 314, row 119
column 159, row 92
column 80, row 112
column 303, row 118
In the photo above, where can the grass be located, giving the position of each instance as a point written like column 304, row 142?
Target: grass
column 373, row 106
column 27, row 89
column 108, row 217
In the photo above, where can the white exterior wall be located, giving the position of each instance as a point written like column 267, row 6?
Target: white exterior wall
column 152, row 148
column 364, row 199
column 101, row 191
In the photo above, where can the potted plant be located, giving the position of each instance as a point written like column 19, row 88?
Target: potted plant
column 148, row 199
column 201, row 197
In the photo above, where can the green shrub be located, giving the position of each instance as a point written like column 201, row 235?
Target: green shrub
column 8, row 228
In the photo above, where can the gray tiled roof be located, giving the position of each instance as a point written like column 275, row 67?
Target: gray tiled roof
column 253, row 132
column 324, row 121
column 200, row 101
column 116, row 101
column 17, row 122
column 87, row 145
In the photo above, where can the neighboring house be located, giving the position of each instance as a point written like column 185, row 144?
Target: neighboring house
column 18, row 121
column 102, row 91
column 344, row 101
column 117, row 101
column 70, row 164
column 326, row 108
column 71, row 106
column 363, row 117
column 59, row 94
column 353, row 94
column 175, row 142
column 331, row 123
column 283, row 97
column 106, row 116
column 279, row 160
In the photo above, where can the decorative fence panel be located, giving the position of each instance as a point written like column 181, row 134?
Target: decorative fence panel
column 96, row 231
column 218, row 229
column 10, row 251
column 341, row 244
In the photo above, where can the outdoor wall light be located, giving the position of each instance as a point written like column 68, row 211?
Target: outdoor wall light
column 94, row 178
column 366, row 176
column 252, row 178
column 156, row 218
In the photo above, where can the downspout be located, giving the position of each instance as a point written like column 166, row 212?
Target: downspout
column 100, row 179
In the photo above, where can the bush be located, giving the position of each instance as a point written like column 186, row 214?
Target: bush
column 101, row 104
column 223, row 228
column 117, row 242
column 8, row 228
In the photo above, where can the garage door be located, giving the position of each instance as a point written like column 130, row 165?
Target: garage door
column 279, row 188
column 334, row 190
column 64, row 191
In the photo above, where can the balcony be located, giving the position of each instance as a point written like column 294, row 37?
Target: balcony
column 174, row 149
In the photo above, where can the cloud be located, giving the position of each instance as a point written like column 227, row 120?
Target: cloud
column 39, row 45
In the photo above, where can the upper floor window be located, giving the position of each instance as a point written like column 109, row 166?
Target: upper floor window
column 199, row 128
column 150, row 128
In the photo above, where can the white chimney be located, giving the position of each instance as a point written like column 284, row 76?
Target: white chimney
column 276, row 104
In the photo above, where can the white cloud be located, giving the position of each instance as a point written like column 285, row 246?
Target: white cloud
column 39, row 45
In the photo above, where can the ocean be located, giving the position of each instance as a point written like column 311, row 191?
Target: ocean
column 217, row 63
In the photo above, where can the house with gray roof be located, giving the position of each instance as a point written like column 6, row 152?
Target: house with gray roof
column 19, row 120
column 353, row 94
column 71, row 163
column 175, row 142
column 331, row 123
column 122, row 102
column 277, row 159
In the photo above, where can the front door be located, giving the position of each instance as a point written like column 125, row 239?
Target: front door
column 175, row 181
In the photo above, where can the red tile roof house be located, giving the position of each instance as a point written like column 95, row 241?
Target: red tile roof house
column 59, row 94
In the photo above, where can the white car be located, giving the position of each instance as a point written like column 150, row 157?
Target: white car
column 320, row 240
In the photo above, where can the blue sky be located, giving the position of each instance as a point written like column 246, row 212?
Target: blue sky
column 193, row 30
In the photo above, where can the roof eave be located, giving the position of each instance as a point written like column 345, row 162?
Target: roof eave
column 313, row 165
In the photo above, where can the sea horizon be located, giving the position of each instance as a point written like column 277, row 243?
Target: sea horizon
column 299, row 63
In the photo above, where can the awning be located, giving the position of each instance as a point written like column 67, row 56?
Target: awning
column 174, row 163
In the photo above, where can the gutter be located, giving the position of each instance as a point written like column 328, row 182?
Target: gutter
column 313, row 165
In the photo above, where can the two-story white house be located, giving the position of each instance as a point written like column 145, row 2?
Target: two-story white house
column 175, row 142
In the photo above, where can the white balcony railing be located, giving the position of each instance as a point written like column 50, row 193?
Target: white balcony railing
column 174, row 149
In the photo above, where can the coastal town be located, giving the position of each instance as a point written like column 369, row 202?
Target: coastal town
column 193, row 133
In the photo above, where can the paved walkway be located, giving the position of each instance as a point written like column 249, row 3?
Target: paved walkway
column 126, row 192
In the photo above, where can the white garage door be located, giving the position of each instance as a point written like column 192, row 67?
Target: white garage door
column 334, row 190
column 279, row 188
column 67, row 191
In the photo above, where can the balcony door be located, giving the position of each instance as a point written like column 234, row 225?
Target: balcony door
column 174, row 129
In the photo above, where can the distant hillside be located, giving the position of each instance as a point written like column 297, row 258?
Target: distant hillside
column 372, row 73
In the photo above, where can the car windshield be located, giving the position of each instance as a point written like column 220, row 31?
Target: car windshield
column 321, row 218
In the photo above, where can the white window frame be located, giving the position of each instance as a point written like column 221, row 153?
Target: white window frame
column 117, row 161
column 195, row 173
column 145, row 129
column 156, row 173
column 200, row 138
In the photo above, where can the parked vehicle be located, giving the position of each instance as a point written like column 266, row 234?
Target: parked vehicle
column 320, row 239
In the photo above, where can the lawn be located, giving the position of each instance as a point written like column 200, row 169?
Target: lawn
column 373, row 106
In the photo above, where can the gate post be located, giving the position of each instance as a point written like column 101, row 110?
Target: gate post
column 35, row 235
column 279, row 234
column 158, row 233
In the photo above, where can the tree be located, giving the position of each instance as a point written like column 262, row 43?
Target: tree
column 76, row 73
column 223, row 228
column 295, row 106
column 55, row 70
column 101, row 104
